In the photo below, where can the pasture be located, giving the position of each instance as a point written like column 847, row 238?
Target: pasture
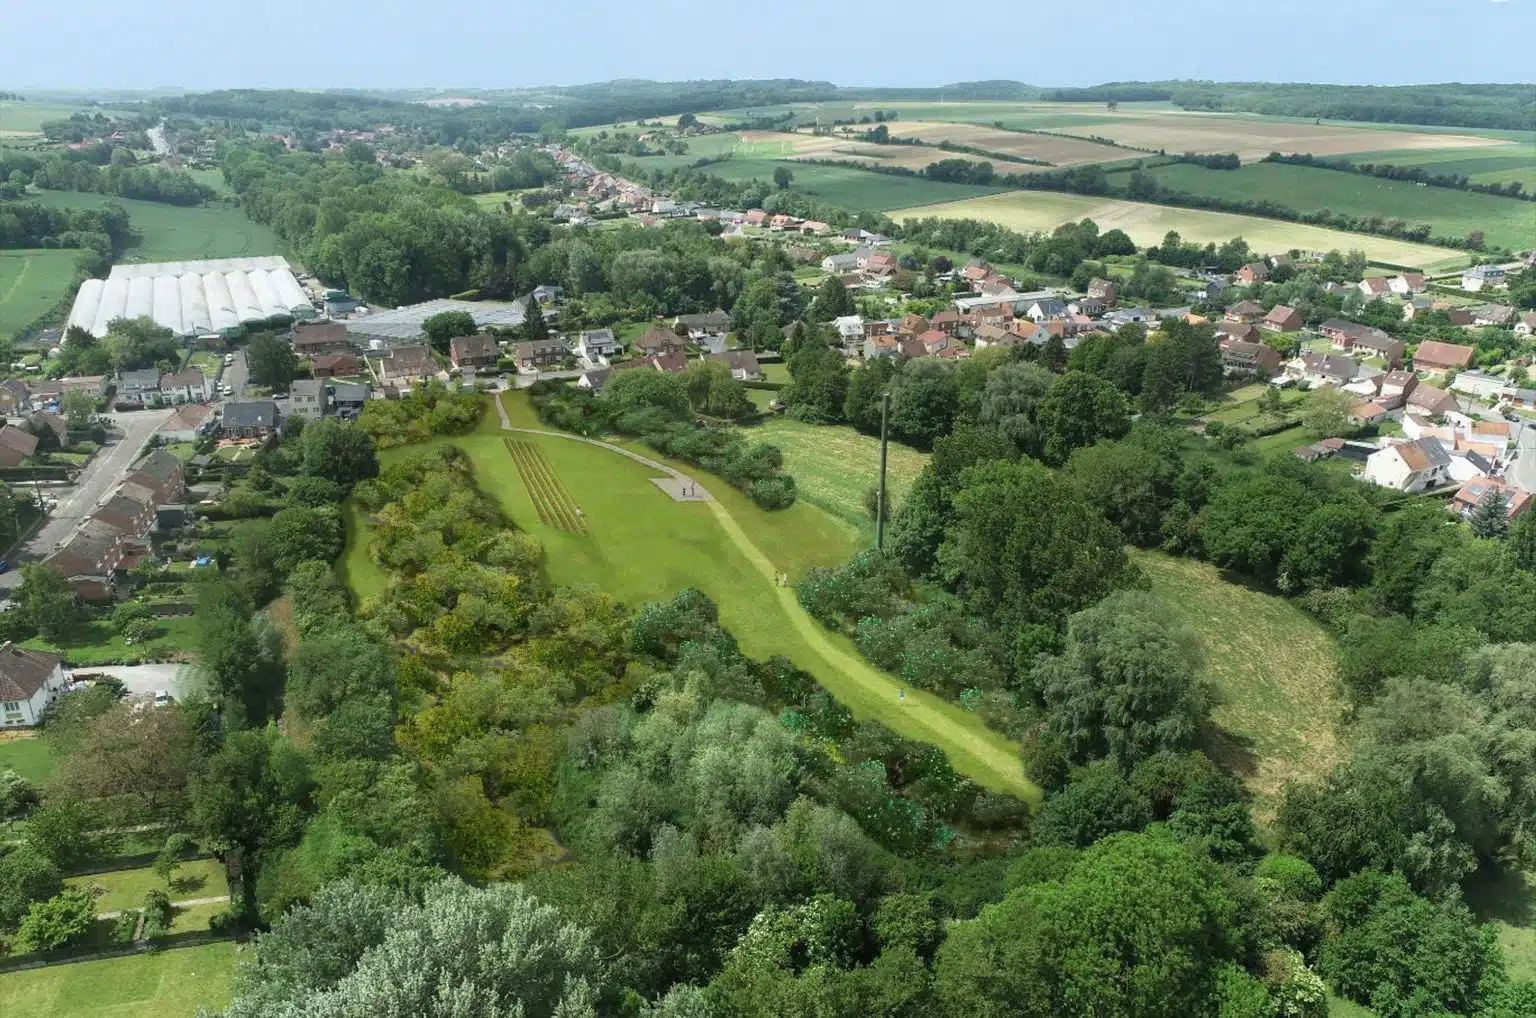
column 850, row 187
column 31, row 283
column 157, row 984
column 834, row 467
column 1031, row 211
column 1506, row 222
column 172, row 232
column 1273, row 667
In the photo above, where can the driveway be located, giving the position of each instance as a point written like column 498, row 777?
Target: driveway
column 235, row 376
column 147, row 678
column 92, row 484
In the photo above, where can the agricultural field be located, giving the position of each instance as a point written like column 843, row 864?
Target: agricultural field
column 1497, row 164
column 1273, row 666
column 27, row 118
column 1506, row 222
column 833, row 467
column 157, row 984
column 771, row 144
column 31, row 757
column 850, row 187
column 31, row 283
column 1030, row 211
column 1054, row 149
column 171, row 232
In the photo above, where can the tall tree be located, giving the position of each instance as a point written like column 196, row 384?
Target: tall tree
column 271, row 362
column 1079, row 410
column 445, row 326
column 1491, row 517
column 338, row 450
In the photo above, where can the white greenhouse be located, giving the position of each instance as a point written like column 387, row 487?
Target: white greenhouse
column 194, row 297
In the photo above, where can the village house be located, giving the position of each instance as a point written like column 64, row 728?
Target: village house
column 89, row 559
column 658, row 339
column 477, row 351
column 403, row 365
column 1431, row 400
column 1396, row 387
column 743, row 364
column 16, row 445
column 838, row 264
column 1368, row 413
column 933, row 341
column 37, row 420
column 1240, row 358
column 1420, row 465
column 138, row 389
column 335, row 365
column 188, row 423
column 1282, row 319
column 162, row 473
column 1492, row 314
column 539, row 353
column 881, row 346
column 1471, row 494
column 30, row 680
column 1046, row 309
column 1483, row 385
column 250, row 419
column 1407, row 283
column 1433, row 355
column 132, row 517
column 1106, row 290
column 992, row 335
column 1346, row 335
column 189, row 386
column 347, row 398
column 1242, row 331
column 671, row 363
column 1525, row 326
column 1375, row 286
column 307, row 399
column 1480, row 277
column 1253, row 272
column 13, row 396
column 593, row 379
column 595, row 344
column 850, row 332
column 700, row 327
column 313, row 340
column 1244, row 311
column 1322, row 369
column 948, row 322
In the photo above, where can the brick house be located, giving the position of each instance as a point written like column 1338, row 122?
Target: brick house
column 336, row 365
column 1282, row 319
column 89, row 560
column 477, row 351
column 319, row 339
column 252, row 419
column 1253, row 272
column 1243, row 358
column 1433, row 355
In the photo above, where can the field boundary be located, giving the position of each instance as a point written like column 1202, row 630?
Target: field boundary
column 555, row 506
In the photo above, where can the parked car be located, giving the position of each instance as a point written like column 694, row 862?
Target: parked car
column 5, row 565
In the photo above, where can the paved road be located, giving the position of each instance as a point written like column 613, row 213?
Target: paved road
column 148, row 678
column 235, row 376
column 157, row 139
column 1522, row 472
column 92, row 484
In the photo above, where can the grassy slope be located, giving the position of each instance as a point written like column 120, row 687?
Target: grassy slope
column 33, row 758
column 834, row 466
column 1029, row 211
column 171, row 233
column 31, row 282
column 1273, row 667
column 196, row 878
column 164, row 984
column 1506, row 221
column 643, row 546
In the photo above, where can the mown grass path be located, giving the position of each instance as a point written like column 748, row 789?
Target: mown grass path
column 974, row 750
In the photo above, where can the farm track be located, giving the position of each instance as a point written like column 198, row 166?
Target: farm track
column 553, row 502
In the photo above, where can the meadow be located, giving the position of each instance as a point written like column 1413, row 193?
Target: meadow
column 1506, row 222
column 27, row 118
column 1273, row 667
column 642, row 546
column 850, row 187
column 1031, row 211
column 156, row 984
column 31, row 283
column 173, row 232
column 834, row 467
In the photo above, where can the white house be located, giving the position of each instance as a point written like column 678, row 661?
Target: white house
column 1480, row 276
column 1481, row 384
column 1410, row 466
column 850, row 329
column 30, row 681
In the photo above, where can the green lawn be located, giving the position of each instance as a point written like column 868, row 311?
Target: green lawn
column 1273, row 667
column 29, row 756
column 196, row 878
column 98, row 643
column 158, row 984
column 833, row 467
column 32, row 282
column 849, row 186
column 1506, row 222
column 643, row 546
column 174, row 233
column 357, row 570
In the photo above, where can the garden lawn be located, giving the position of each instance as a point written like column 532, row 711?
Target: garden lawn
column 99, row 643
column 31, row 283
column 195, row 878
column 834, row 467
column 157, row 984
column 174, row 232
column 1506, row 222
column 28, row 755
column 1273, row 667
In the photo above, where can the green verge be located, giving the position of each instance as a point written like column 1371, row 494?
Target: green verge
column 158, row 984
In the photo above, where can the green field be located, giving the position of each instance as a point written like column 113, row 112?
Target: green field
column 1031, row 211
column 833, row 467
column 29, row 756
column 123, row 889
column 849, row 186
column 1497, row 164
column 32, row 282
column 1273, row 667
column 643, row 546
column 173, row 233
column 158, row 984
column 29, row 117
column 1506, row 222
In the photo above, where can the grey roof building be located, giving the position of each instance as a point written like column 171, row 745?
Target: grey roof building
column 403, row 325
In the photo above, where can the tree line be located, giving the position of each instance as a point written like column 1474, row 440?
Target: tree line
column 1415, row 174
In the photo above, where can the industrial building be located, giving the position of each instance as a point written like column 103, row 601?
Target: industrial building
column 192, row 298
column 403, row 325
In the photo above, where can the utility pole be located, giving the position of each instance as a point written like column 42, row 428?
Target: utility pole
column 885, row 412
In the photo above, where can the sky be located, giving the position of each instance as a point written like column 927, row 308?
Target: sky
column 490, row 44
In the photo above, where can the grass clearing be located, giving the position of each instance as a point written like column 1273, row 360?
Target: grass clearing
column 1032, row 211
column 1273, row 666
column 99, row 643
column 172, row 232
column 123, row 889
column 158, row 984
column 28, row 755
column 1508, row 900
column 1507, row 222
column 834, row 466
column 31, row 283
